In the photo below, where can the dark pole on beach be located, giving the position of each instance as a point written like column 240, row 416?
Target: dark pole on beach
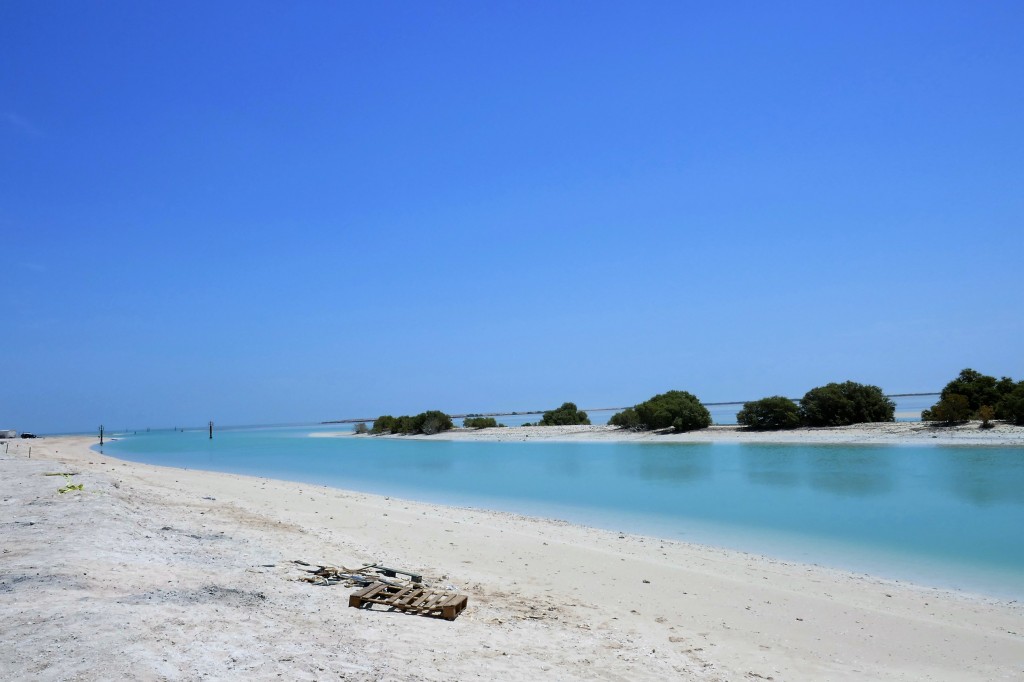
column 101, row 434
column 211, row 430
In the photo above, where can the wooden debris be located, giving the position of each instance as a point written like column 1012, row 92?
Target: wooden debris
column 392, row 572
column 364, row 575
column 408, row 594
column 411, row 598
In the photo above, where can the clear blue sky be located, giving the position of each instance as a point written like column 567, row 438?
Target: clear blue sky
column 276, row 212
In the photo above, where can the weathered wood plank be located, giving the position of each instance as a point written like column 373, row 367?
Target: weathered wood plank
column 454, row 606
column 412, row 598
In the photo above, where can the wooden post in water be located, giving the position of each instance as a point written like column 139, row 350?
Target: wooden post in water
column 211, row 430
column 101, row 434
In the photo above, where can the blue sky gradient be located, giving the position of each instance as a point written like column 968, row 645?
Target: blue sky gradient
column 278, row 212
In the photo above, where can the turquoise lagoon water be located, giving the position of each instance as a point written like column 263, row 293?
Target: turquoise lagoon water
column 942, row 516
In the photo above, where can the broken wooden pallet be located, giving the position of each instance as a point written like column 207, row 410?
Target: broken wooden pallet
column 412, row 598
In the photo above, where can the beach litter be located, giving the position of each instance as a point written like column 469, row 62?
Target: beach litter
column 384, row 586
column 68, row 486
column 411, row 598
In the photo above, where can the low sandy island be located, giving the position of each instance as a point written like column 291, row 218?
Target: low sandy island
column 887, row 433
column 158, row 573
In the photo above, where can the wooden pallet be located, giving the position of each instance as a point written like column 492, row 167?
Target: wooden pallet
column 411, row 599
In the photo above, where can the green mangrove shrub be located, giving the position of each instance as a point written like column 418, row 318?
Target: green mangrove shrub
column 627, row 419
column 951, row 409
column 679, row 410
column 979, row 390
column 1011, row 407
column 429, row 423
column 847, row 403
column 566, row 415
column 770, row 414
column 480, row 423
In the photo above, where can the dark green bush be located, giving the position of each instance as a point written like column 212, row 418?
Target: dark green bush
column 770, row 414
column 479, row 422
column 951, row 409
column 678, row 409
column 846, row 403
column 384, row 423
column 566, row 415
column 692, row 417
column 431, row 422
column 406, row 424
column 1011, row 407
column 627, row 419
column 979, row 389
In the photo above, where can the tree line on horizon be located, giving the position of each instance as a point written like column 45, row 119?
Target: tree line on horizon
column 971, row 395
column 430, row 422
column 435, row 421
column 835, row 404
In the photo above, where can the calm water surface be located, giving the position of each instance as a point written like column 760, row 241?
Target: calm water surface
column 943, row 516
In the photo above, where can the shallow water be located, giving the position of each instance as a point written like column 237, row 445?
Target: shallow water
column 942, row 516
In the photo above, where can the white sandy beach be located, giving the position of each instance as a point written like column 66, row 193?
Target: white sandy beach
column 160, row 573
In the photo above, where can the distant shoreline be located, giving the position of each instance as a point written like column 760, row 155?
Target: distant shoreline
column 522, row 413
column 883, row 433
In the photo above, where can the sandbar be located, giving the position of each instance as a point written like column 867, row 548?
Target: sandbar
column 883, row 433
